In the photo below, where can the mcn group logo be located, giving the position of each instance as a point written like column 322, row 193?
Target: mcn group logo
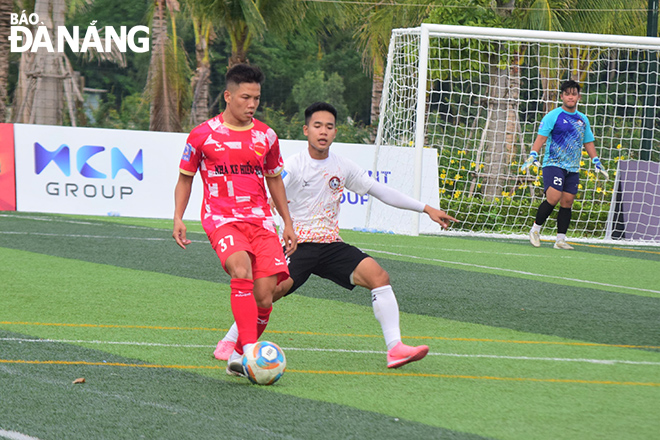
column 62, row 158
column 91, row 162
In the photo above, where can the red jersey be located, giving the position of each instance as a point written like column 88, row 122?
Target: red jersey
column 233, row 162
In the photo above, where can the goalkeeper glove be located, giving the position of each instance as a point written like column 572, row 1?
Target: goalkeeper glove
column 533, row 159
column 599, row 167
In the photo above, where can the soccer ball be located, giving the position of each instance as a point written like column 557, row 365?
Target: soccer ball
column 265, row 363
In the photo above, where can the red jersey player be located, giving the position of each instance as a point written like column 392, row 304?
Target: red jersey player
column 234, row 154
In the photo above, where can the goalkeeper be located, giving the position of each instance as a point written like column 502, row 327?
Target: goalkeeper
column 315, row 179
column 564, row 131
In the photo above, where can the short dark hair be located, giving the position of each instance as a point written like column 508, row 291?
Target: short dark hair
column 568, row 85
column 319, row 107
column 244, row 73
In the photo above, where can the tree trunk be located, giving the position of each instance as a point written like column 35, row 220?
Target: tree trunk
column 513, row 103
column 495, row 156
column 5, row 25
column 39, row 97
column 240, row 43
column 164, row 115
column 201, row 79
column 376, row 95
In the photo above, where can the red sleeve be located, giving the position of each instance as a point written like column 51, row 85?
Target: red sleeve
column 273, row 162
column 192, row 153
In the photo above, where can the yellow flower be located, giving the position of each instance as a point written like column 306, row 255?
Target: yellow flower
column 584, row 153
column 450, row 182
column 505, row 194
column 443, row 175
column 411, row 143
column 478, row 185
column 481, row 166
column 462, row 168
column 599, row 190
column 618, row 147
column 452, row 161
column 442, row 190
column 581, row 163
column 497, row 200
column 579, row 186
column 457, row 194
column 461, row 152
column 472, row 164
column 457, row 176
column 537, row 183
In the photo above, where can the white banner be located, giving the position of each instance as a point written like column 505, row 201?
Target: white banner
column 99, row 171
column 133, row 173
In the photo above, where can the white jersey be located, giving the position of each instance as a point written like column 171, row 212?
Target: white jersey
column 314, row 189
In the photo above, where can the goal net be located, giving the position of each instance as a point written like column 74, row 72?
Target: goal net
column 477, row 96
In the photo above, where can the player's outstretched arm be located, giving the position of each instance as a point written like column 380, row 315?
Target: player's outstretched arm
column 181, row 197
column 399, row 200
column 278, row 198
column 439, row 216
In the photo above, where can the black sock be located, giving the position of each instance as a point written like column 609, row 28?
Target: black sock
column 544, row 211
column 563, row 220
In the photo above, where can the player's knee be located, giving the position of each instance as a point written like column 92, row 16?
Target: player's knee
column 240, row 272
column 383, row 278
column 378, row 278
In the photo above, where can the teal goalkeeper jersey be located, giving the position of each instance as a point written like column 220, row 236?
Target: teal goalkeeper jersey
column 567, row 133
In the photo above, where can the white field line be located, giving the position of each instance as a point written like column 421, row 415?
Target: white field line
column 519, row 272
column 566, row 255
column 339, row 350
column 79, row 222
column 13, row 435
column 107, row 237
column 436, row 260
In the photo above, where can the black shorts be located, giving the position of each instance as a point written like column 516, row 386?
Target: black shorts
column 333, row 261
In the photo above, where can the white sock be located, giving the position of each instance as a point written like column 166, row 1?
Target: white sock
column 561, row 237
column 234, row 356
column 386, row 310
column 232, row 334
column 536, row 228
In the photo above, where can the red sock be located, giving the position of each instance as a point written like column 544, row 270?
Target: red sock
column 262, row 319
column 244, row 308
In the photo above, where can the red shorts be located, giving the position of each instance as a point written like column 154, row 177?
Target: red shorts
column 263, row 246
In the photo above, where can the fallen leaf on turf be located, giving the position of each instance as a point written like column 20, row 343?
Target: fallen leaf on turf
column 79, row 380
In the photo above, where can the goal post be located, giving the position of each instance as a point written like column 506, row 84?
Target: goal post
column 477, row 96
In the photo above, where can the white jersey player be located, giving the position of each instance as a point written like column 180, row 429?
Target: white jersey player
column 315, row 180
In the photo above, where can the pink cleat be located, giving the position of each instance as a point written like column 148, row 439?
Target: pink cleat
column 402, row 354
column 224, row 350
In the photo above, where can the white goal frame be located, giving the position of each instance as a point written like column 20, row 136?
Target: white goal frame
column 413, row 109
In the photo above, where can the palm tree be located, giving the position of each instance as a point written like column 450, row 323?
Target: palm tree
column 167, row 85
column 245, row 20
column 6, row 7
column 46, row 79
column 618, row 17
column 375, row 24
column 204, row 34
